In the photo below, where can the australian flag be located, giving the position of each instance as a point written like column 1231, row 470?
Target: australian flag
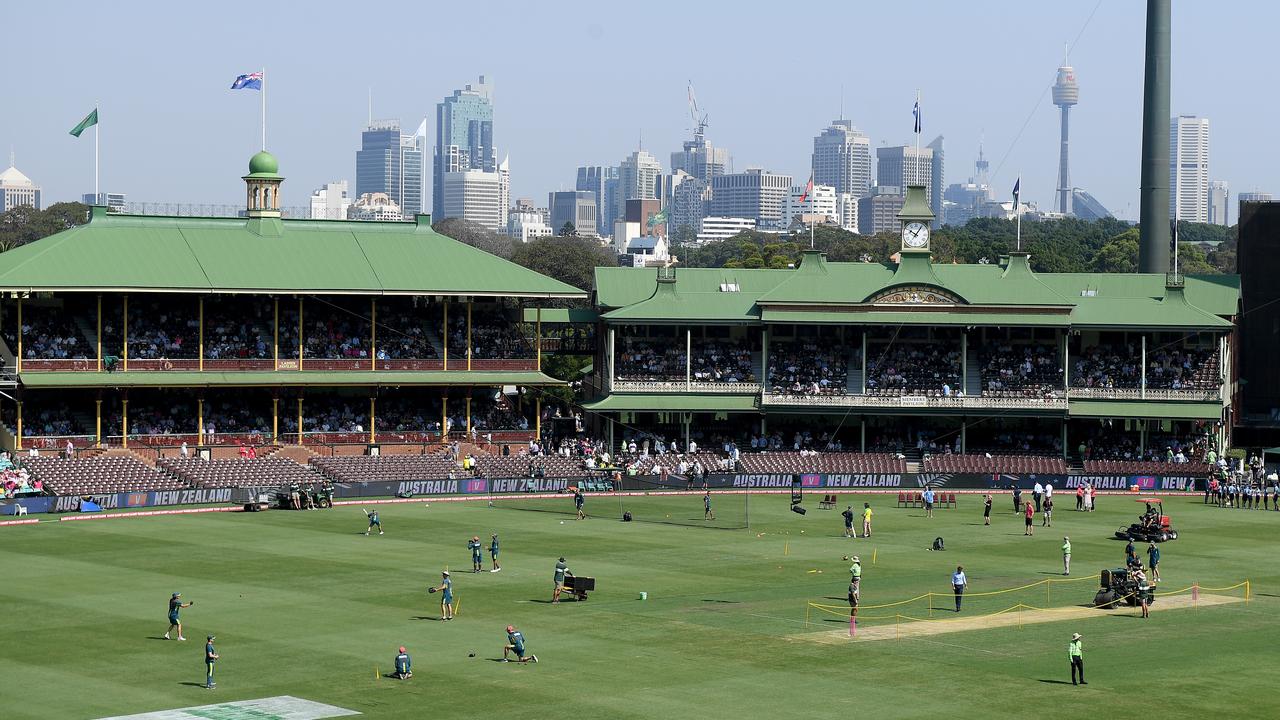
column 915, row 111
column 252, row 81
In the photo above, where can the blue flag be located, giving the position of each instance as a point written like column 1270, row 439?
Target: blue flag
column 1017, row 186
column 916, row 113
column 252, row 81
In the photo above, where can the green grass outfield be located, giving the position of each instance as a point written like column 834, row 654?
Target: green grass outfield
column 304, row 604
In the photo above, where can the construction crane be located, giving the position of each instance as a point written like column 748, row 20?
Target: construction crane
column 699, row 122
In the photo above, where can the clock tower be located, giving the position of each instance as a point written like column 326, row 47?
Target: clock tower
column 916, row 220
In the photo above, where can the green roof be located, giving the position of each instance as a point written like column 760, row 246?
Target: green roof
column 264, row 165
column 561, row 315
column 238, row 255
column 674, row 402
column 1009, row 293
column 366, row 378
column 1145, row 409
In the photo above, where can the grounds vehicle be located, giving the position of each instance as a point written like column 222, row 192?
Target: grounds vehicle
column 1152, row 527
column 1119, row 586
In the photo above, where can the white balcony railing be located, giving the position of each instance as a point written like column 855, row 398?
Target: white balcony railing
column 1055, row 402
column 670, row 386
column 1200, row 395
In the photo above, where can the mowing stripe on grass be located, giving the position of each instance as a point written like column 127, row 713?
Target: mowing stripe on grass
column 281, row 707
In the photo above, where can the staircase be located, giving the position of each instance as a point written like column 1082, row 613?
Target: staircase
column 89, row 332
column 915, row 458
column 433, row 338
column 147, row 457
column 853, row 370
column 973, row 373
column 297, row 453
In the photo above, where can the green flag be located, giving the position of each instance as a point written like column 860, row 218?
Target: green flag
column 89, row 121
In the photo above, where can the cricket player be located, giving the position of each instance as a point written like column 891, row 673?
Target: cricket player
column 446, row 598
column 855, row 582
column 515, row 643
column 210, row 657
column 866, row 520
column 578, row 499
column 707, row 512
column 175, row 620
column 404, row 665
column 493, row 553
column 373, row 521
column 558, row 579
column 477, row 558
column 848, row 522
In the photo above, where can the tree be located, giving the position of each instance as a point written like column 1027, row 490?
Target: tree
column 570, row 260
column 684, row 235
column 568, row 229
column 567, row 368
column 25, row 224
column 1119, row 254
column 477, row 236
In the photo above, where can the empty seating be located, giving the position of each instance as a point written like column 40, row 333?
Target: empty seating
column 991, row 464
column 239, row 472
column 834, row 462
column 86, row 476
column 1138, row 467
column 390, row 468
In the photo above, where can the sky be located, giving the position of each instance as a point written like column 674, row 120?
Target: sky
column 585, row 83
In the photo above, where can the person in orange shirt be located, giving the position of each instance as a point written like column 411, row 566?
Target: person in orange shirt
column 1080, row 497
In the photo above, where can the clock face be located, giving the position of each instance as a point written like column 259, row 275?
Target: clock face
column 915, row 235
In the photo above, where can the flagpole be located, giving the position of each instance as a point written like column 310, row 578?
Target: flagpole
column 1017, row 212
column 919, row 113
column 264, row 108
column 813, row 220
column 97, row 131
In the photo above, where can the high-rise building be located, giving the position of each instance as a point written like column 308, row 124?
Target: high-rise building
column 1219, row 202
column 1253, row 197
column 1189, row 168
column 715, row 229
column 330, row 202
column 963, row 201
column 638, row 178
column 688, row 206
column 878, row 212
column 113, row 202
column 842, row 159
column 389, row 162
column 904, row 165
column 464, row 136
column 504, row 187
column 936, row 176
column 756, row 193
column 820, row 205
column 576, row 207
column 475, row 196
column 1066, row 93
column 526, row 226
column 17, row 190
column 603, row 181
column 699, row 158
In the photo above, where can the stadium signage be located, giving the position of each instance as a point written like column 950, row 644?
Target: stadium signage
column 875, row 480
column 1124, row 482
column 762, row 481
column 528, row 485
column 428, row 487
column 67, row 503
column 185, row 497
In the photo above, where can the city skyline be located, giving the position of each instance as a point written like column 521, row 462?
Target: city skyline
column 314, row 120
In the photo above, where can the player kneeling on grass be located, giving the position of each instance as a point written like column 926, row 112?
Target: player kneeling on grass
column 515, row 643
column 445, row 588
column 404, row 665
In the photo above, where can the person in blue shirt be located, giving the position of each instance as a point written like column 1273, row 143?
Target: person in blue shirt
column 707, row 512
column 445, row 588
column 493, row 553
column 404, row 665
column 210, row 657
column 373, row 521
column 175, row 620
column 928, row 502
column 477, row 558
column 515, row 643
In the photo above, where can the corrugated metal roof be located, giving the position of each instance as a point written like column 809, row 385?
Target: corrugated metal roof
column 674, row 402
column 160, row 254
column 1148, row 409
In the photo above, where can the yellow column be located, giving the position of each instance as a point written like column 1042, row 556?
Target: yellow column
column 537, row 421
column 373, row 418
column 444, row 333
column 99, row 344
column 19, row 358
column 469, row 303
column 299, row 419
column 126, row 333
column 299, row 355
column 537, row 338
column 444, row 416
column 124, row 422
column 97, row 423
column 275, row 419
column 199, row 421
column 275, row 342
column 18, row 440
column 373, row 334
column 201, row 303
column 468, row 415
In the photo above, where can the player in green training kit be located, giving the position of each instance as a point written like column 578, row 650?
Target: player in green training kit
column 515, row 643
column 373, row 521
column 210, row 657
column 175, row 621
column 707, row 512
column 446, row 598
column 477, row 558
column 493, row 553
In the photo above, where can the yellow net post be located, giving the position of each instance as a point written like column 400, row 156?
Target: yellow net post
column 1047, row 601
column 930, row 605
column 1247, row 593
column 806, row 614
column 1019, row 616
column 897, row 635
